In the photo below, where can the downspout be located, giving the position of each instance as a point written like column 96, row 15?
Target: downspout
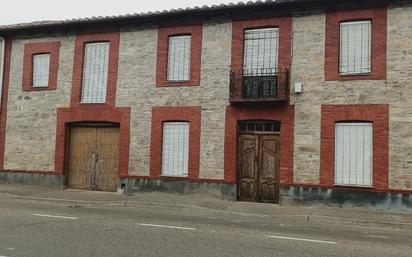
column 2, row 49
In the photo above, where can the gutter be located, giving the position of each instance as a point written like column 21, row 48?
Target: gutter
column 2, row 54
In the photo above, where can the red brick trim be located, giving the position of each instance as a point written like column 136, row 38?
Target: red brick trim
column 284, row 114
column 30, row 49
column 81, row 40
column 379, row 41
column 162, row 54
column 285, row 35
column 5, row 96
column 379, row 115
column 93, row 113
column 162, row 114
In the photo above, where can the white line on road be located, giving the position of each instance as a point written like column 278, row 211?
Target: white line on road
column 376, row 236
column 163, row 226
column 303, row 239
column 2, row 256
column 54, row 216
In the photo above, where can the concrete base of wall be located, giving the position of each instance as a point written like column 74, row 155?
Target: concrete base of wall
column 343, row 197
column 220, row 190
column 35, row 179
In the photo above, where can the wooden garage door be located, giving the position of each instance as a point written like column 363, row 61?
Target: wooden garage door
column 93, row 158
column 258, row 168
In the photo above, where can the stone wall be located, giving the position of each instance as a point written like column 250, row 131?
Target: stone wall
column 137, row 88
column 308, row 68
column 31, row 115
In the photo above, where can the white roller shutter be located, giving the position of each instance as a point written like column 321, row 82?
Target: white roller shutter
column 178, row 67
column 95, row 72
column 261, row 51
column 175, row 151
column 355, row 47
column 353, row 154
column 41, row 67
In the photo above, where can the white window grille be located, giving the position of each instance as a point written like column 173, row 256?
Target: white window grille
column 355, row 47
column 95, row 72
column 261, row 51
column 175, row 151
column 178, row 67
column 41, row 67
column 353, row 154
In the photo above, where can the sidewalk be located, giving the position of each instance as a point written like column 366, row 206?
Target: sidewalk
column 316, row 213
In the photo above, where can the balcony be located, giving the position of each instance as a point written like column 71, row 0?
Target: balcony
column 259, row 86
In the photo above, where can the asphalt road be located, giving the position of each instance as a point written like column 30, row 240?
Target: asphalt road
column 32, row 228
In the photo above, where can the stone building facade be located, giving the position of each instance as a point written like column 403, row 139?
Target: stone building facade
column 35, row 123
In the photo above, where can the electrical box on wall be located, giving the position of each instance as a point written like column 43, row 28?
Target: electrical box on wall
column 298, row 87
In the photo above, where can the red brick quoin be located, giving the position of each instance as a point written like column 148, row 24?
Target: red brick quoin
column 379, row 38
column 164, row 114
column 379, row 116
column 31, row 49
column 162, row 54
column 285, row 114
column 285, row 34
column 81, row 40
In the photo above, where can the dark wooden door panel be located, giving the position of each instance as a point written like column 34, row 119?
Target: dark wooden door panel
column 268, row 168
column 258, row 168
column 247, row 168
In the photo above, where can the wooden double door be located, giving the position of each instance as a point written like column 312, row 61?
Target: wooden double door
column 93, row 156
column 258, row 168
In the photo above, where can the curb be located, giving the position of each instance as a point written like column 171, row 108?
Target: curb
column 309, row 217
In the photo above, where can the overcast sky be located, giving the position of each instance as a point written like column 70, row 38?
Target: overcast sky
column 18, row 11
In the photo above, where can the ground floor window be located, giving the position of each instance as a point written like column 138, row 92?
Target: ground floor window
column 353, row 153
column 175, row 150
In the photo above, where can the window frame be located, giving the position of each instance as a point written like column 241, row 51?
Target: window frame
column 360, row 185
column 186, row 165
column 38, row 48
column 378, row 18
column 79, row 51
column 164, row 33
column 168, row 59
column 82, row 101
column 370, row 48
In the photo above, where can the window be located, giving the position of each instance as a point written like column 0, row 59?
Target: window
column 261, row 51
column 355, row 47
column 178, row 66
column 41, row 67
column 175, row 151
column 353, row 154
column 95, row 72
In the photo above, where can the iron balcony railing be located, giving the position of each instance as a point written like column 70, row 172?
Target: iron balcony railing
column 259, row 85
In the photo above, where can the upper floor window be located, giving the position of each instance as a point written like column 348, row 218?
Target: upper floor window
column 41, row 68
column 175, row 156
column 95, row 72
column 353, row 153
column 178, row 66
column 356, row 44
column 355, row 47
column 261, row 51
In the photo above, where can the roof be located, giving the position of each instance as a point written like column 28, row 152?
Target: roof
column 227, row 10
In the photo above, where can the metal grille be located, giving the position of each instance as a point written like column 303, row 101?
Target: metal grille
column 355, row 47
column 95, row 72
column 179, row 58
column 261, row 52
column 175, row 151
column 259, row 126
column 41, row 67
column 353, row 154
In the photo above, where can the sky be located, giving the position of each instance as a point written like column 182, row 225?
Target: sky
column 20, row 11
